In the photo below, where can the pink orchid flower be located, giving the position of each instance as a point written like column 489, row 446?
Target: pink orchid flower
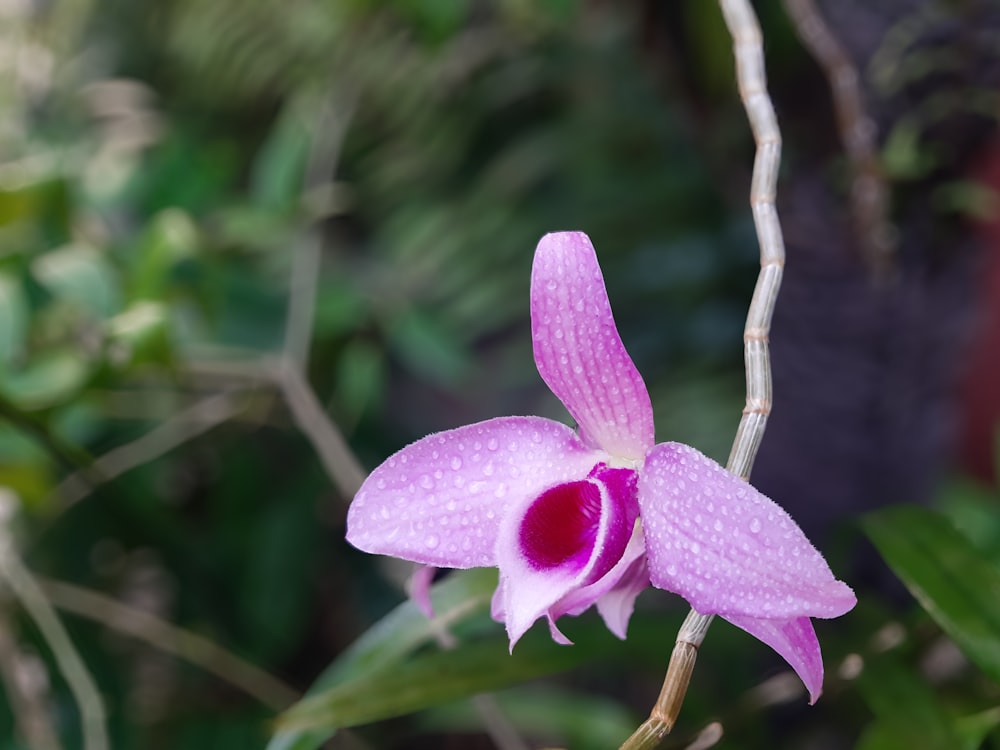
column 574, row 519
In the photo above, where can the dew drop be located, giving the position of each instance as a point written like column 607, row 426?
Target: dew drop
column 456, row 463
column 492, row 444
column 551, row 285
column 755, row 526
column 432, row 541
column 717, row 525
column 695, row 548
column 380, row 484
column 426, row 482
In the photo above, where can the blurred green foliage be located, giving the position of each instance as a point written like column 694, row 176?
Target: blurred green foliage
column 164, row 170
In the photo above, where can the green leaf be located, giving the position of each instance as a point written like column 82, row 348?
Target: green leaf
column 568, row 718
column 434, row 677
column 13, row 318
column 170, row 238
column 80, row 275
column 140, row 334
column 907, row 712
column 49, row 379
column 276, row 175
column 360, row 377
column 953, row 582
column 460, row 596
column 428, row 350
column 973, row 729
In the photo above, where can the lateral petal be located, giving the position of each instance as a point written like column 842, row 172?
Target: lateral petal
column 578, row 351
column 439, row 501
column 795, row 640
column 725, row 547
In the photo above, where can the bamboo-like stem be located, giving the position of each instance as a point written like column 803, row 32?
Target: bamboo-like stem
column 748, row 51
column 869, row 195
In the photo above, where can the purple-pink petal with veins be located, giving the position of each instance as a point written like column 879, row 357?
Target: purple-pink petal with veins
column 568, row 537
column 795, row 640
column 439, row 501
column 578, row 351
column 725, row 547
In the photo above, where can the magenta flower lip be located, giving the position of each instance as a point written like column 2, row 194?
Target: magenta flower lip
column 593, row 517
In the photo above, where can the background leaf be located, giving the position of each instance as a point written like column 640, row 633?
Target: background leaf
column 953, row 582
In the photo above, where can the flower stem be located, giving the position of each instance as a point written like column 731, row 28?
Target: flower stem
column 748, row 50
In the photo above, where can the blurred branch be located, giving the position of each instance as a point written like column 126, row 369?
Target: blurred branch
column 191, row 647
column 339, row 461
column 26, row 699
column 748, row 51
column 185, row 425
column 327, row 133
column 869, row 195
column 81, row 684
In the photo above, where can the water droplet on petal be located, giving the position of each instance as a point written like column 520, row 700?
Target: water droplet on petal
column 432, row 541
column 551, row 285
column 456, row 463
column 426, row 482
column 755, row 526
column 492, row 444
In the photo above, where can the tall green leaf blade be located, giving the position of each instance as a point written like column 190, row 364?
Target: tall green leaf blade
column 429, row 679
column 953, row 582
column 463, row 594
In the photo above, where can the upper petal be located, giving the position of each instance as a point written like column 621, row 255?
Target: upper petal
column 578, row 351
column 725, row 547
column 439, row 501
column 795, row 640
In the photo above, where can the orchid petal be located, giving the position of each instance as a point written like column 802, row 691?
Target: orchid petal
column 578, row 351
column 795, row 640
column 614, row 593
column 439, row 501
column 725, row 547
column 568, row 537
column 616, row 606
